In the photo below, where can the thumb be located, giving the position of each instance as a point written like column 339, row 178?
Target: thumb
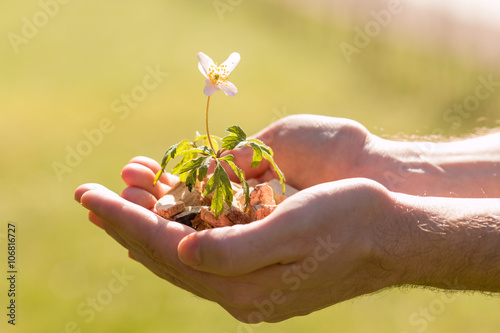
column 243, row 159
column 239, row 249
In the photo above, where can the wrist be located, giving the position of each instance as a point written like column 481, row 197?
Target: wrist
column 399, row 166
column 459, row 169
column 444, row 242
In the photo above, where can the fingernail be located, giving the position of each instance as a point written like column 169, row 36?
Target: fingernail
column 189, row 251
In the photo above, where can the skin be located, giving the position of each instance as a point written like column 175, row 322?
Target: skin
column 312, row 150
column 339, row 237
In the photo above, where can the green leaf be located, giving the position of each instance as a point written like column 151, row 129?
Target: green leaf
column 204, row 137
column 191, row 179
column 186, row 158
column 261, row 150
column 192, row 164
column 257, row 154
column 189, row 152
column 171, row 153
column 229, row 159
column 236, row 138
column 189, row 155
column 218, row 202
column 210, row 185
column 189, row 163
column 183, row 176
column 230, row 142
column 236, row 130
column 262, row 146
column 203, row 169
column 226, row 185
column 174, row 150
column 221, row 186
column 158, row 175
column 281, row 176
column 204, row 150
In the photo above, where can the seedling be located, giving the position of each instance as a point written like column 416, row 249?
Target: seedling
column 206, row 149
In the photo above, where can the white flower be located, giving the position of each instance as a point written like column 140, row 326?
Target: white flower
column 217, row 75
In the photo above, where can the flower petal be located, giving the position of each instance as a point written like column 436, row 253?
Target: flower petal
column 210, row 88
column 231, row 62
column 228, row 88
column 204, row 63
column 200, row 67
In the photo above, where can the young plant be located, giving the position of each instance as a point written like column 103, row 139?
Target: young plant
column 199, row 154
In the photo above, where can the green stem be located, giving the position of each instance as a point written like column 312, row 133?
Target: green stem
column 208, row 131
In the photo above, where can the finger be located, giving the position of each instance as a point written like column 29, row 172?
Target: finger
column 241, row 249
column 146, row 161
column 139, row 196
column 96, row 220
column 243, row 156
column 139, row 227
column 138, row 175
column 185, row 281
column 80, row 190
column 166, row 178
column 130, row 244
column 243, row 159
column 106, row 205
column 127, row 244
column 109, row 228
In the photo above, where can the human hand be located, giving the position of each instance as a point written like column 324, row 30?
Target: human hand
column 323, row 245
column 318, row 248
column 310, row 150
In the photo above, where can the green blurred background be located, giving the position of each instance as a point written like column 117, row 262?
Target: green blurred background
column 68, row 78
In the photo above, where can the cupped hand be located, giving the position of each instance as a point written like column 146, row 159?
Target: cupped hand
column 310, row 150
column 318, row 248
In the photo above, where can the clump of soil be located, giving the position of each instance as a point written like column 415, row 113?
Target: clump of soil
column 192, row 208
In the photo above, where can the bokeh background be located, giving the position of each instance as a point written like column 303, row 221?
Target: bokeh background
column 74, row 108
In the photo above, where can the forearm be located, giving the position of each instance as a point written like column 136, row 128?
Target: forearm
column 446, row 243
column 468, row 168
